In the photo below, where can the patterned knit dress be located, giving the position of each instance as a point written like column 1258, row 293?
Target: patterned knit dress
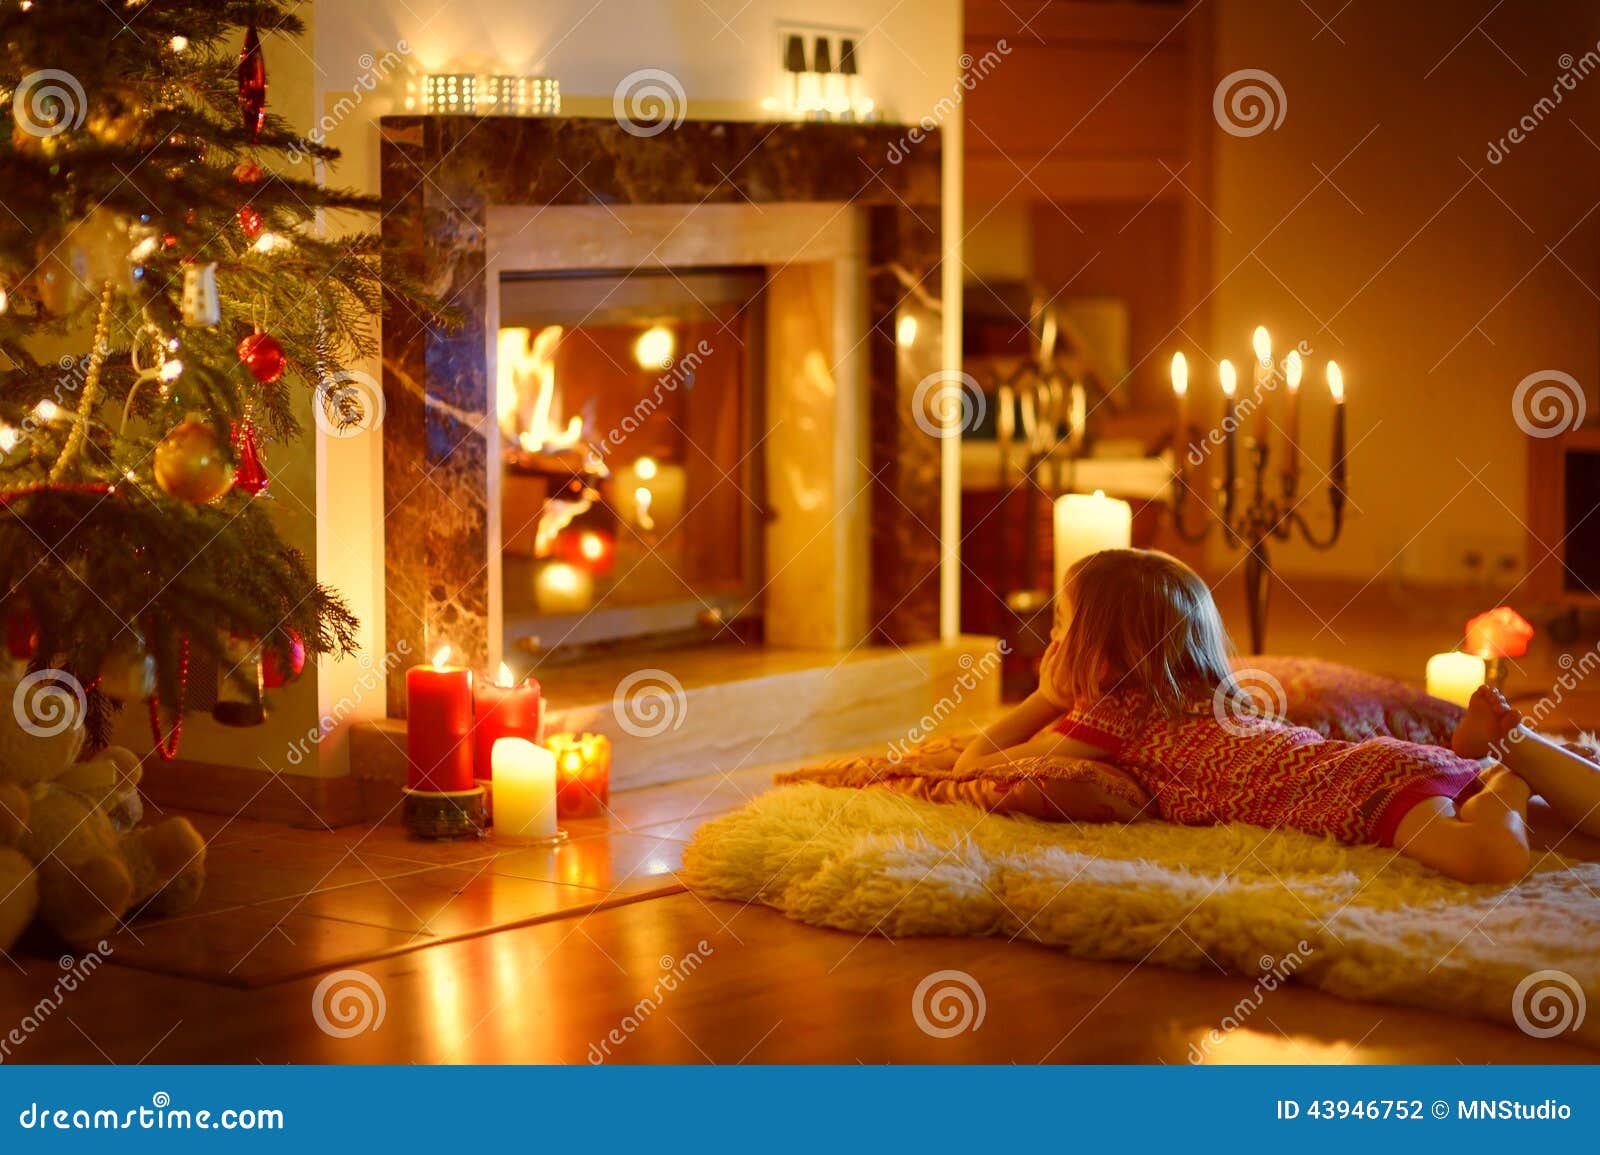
column 1203, row 769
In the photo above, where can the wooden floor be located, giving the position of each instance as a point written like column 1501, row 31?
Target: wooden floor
column 603, row 957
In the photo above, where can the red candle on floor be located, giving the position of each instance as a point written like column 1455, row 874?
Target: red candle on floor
column 439, row 726
column 502, row 710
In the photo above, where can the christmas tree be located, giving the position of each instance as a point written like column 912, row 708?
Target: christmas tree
column 151, row 221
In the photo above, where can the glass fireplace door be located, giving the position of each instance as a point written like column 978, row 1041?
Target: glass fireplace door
column 629, row 411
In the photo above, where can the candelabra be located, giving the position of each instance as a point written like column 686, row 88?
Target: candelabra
column 1250, row 515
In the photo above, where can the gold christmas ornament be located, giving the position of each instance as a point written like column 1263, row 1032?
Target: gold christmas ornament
column 119, row 117
column 192, row 463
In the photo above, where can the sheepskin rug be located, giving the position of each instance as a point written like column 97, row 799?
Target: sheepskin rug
column 1379, row 927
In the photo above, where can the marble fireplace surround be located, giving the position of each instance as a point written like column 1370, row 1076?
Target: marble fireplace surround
column 467, row 199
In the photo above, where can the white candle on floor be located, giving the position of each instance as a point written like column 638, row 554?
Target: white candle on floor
column 1455, row 676
column 1086, row 524
column 524, row 790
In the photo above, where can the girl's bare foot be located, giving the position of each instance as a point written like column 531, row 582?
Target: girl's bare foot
column 1488, row 719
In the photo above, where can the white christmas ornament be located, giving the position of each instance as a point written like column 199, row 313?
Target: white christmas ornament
column 201, row 306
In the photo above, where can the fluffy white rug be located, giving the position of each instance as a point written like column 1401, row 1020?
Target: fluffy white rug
column 1378, row 927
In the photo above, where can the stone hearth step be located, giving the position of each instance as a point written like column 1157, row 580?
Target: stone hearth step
column 682, row 714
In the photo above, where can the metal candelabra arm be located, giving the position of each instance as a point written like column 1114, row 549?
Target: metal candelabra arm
column 1259, row 519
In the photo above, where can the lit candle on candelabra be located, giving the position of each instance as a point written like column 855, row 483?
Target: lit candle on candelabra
column 1292, row 371
column 1230, row 423
column 1180, row 394
column 1261, row 342
column 1336, row 391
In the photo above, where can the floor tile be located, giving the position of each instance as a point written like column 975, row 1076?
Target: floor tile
column 615, row 863
column 254, row 945
column 451, row 902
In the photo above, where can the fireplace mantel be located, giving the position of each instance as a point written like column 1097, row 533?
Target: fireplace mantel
column 440, row 178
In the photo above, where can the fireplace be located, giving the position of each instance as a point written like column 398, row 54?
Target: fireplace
column 793, row 495
column 632, row 482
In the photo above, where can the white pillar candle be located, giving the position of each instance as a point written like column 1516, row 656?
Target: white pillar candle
column 524, row 791
column 1455, row 676
column 561, row 588
column 667, row 486
column 1086, row 524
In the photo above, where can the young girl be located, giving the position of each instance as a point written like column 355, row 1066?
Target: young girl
column 1137, row 675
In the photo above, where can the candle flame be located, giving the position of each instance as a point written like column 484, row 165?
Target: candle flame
column 505, row 677
column 1262, row 343
column 1100, row 493
column 1335, row 383
column 1180, row 375
column 1229, row 381
column 442, row 656
column 1293, row 369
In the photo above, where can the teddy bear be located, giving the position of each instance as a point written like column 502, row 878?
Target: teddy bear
column 72, row 825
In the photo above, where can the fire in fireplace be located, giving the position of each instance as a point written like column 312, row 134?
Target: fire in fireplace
column 629, row 405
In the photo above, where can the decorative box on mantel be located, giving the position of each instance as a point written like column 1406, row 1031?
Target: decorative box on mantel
column 844, row 485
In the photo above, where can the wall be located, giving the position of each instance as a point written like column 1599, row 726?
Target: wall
column 1371, row 224
column 724, row 55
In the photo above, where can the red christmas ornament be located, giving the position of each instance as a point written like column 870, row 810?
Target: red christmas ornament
column 589, row 548
column 249, row 474
column 249, row 172
column 263, row 356
column 250, row 221
column 22, row 635
column 274, row 672
column 252, row 83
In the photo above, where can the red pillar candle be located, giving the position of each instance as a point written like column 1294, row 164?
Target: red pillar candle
column 502, row 710
column 439, row 726
column 583, row 774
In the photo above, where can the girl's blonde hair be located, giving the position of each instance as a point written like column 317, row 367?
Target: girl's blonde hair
column 1135, row 619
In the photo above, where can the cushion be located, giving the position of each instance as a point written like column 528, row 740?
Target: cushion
column 1342, row 702
column 1059, row 788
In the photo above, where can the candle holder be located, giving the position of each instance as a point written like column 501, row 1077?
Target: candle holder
column 583, row 774
column 1262, row 519
column 434, row 815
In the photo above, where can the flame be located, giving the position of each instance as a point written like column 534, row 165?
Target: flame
column 505, row 676
column 1180, row 374
column 1335, row 383
column 442, row 656
column 1262, row 343
column 1292, row 370
column 526, row 399
column 1229, row 381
